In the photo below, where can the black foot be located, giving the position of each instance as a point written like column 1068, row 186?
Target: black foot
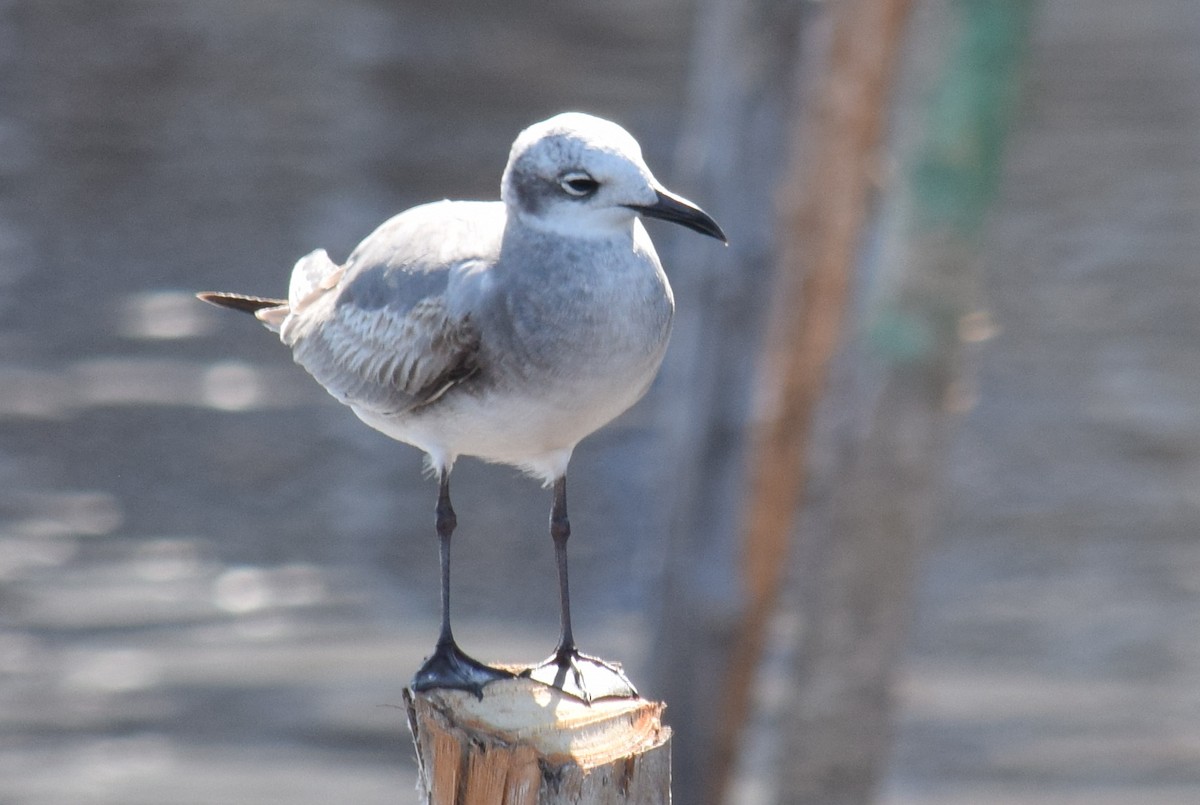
column 586, row 678
column 449, row 667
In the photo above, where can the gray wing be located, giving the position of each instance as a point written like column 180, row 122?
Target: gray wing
column 394, row 333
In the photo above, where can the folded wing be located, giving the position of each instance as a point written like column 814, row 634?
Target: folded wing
column 378, row 333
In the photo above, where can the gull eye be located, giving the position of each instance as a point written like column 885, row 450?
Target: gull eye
column 578, row 184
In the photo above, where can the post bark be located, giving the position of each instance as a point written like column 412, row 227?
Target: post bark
column 524, row 743
column 824, row 209
column 741, row 102
column 857, row 576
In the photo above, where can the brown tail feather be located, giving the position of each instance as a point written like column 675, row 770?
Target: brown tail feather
column 237, row 301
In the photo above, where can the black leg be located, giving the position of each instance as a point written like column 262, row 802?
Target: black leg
column 560, row 532
column 445, row 522
column 579, row 675
column 449, row 667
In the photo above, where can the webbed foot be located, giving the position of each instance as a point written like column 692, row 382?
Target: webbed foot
column 586, row 678
column 449, row 667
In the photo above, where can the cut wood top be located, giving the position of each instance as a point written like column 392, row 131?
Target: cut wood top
column 560, row 728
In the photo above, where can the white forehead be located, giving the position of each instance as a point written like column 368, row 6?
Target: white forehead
column 575, row 140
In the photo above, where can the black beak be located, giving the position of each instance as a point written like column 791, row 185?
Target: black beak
column 675, row 209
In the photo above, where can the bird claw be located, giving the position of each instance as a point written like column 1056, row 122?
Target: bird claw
column 449, row 667
column 585, row 678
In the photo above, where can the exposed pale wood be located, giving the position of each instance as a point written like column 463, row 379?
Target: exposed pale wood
column 525, row 743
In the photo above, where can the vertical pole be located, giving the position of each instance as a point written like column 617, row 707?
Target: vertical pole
column 735, row 135
column 826, row 198
column 857, row 592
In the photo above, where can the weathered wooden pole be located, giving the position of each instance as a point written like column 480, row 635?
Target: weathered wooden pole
column 824, row 210
column 858, row 576
column 524, row 743
column 741, row 101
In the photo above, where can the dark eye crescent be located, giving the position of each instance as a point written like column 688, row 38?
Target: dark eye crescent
column 578, row 184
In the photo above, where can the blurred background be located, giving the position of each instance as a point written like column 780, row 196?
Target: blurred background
column 984, row 583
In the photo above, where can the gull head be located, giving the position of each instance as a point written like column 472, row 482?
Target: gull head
column 583, row 176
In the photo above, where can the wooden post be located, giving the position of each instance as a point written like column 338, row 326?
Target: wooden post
column 856, row 585
column 525, row 743
column 824, row 208
column 741, row 99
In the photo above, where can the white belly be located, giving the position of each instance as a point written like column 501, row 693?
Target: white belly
column 535, row 431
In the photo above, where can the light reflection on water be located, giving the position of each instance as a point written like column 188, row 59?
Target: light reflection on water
column 167, row 560
column 228, row 385
column 240, row 590
column 110, row 670
column 112, row 759
column 164, row 315
column 19, row 556
column 62, row 514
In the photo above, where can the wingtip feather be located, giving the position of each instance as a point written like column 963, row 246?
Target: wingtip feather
column 236, row 301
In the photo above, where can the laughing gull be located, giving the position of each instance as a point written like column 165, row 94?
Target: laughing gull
column 503, row 330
